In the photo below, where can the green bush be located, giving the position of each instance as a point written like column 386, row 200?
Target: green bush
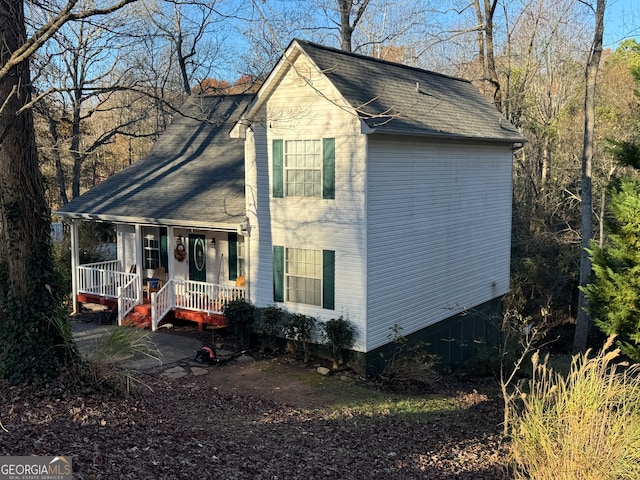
column 338, row 335
column 614, row 293
column 409, row 363
column 241, row 315
column 271, row 321
column 299, row 328
column 585, row 425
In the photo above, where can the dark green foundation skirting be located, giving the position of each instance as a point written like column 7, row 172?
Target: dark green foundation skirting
column 455, row 340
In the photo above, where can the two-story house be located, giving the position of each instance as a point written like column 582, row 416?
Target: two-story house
column 346, row 186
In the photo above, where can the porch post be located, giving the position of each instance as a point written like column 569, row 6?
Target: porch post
column 170, row 247
column 139, row 265
column 247, row 267
column 75, row 262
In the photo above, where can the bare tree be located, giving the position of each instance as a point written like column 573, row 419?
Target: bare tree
column 79, row 78
column 485, row 14
column 193, row 33
column 351, row 12
column 583, row 320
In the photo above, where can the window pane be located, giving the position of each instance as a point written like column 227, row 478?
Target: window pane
column 151, row 251
column 303, row 290
column 303, row 166
column 303, row 269
column 240, row 253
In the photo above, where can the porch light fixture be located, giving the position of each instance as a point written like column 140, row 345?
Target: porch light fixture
column 180, row 239
column 212, row 243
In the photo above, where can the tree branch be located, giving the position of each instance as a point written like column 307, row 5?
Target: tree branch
column 45, row 32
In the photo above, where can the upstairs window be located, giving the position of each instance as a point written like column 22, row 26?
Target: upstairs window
column 304, row 168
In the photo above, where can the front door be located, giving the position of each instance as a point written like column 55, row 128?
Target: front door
column 197, row 258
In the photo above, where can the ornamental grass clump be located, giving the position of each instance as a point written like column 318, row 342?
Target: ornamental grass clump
column 106, row 364
column 582, row 426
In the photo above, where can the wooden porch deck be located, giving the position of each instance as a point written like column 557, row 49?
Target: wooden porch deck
column 105, row 283
column 110, row 303
column 140, row 317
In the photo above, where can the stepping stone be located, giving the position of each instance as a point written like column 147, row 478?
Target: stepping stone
column 197, row 371
column 173, row 370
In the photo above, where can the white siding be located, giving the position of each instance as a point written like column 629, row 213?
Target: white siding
column 296, row 111
column 439, row 230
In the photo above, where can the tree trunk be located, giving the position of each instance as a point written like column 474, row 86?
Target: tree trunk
column 545, row 157
column 76, row 133
column 30, row 342
column 583, row 321
column 485, row 48
column 480, row 37
column 55, row 140
column 346, row 30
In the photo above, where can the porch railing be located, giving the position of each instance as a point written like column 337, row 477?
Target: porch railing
column 103, row 278
column 204, row 297
column 106, row 279
column 161, row 304
column 127, row 299
column 191, row 295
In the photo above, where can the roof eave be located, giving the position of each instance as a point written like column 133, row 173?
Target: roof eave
column 444, row 135
column 230, row 226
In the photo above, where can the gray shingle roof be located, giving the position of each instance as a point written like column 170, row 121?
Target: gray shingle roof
column 193, row 176
column 396, row 98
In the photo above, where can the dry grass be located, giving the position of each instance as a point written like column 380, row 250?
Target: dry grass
column 106, row 364
column 585, row 425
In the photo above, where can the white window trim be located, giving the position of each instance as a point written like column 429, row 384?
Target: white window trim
column 287, row 156
column 148, row 259
column 288, row 275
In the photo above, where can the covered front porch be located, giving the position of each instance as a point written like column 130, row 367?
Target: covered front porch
column 202, row 302
column 164, row 272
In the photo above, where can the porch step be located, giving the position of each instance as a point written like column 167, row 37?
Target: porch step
column 110, row 303
column 143, row 309
column 137, row 319
column 140, row 317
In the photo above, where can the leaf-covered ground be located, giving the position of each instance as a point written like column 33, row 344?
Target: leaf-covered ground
column 262, row 420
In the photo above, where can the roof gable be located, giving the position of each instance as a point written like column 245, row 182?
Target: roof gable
column 394, row 98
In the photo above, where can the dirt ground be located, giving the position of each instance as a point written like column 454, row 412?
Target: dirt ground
column 272, row 418
column 275, row 380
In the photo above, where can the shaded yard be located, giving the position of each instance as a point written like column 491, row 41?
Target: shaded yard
column 270, row 419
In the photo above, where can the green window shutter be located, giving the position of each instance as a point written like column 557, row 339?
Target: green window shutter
column 329, row 168
column 278, row 274
column 164, row 253
column 233, row 256
column 328, row 279
column 278, row 169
